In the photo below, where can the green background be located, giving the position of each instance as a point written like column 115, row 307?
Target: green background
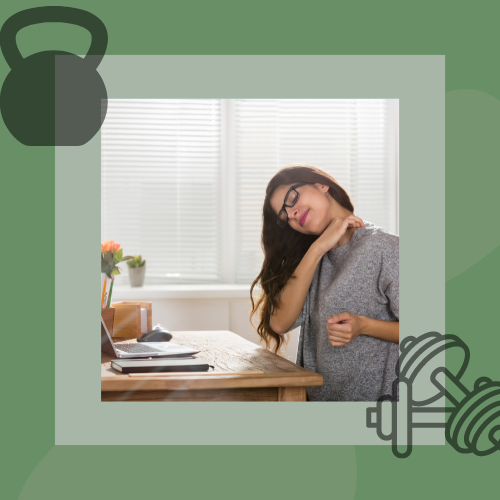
column 468, row 36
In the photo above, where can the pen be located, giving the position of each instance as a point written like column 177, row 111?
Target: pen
column 103, row 290
column 110, row 291
column 195, row 374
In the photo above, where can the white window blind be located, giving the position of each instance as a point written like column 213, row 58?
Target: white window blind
column 352, row 139
column 183, row 181
column 160, row 186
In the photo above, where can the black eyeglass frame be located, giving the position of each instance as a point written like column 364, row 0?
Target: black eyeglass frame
column 281, row 223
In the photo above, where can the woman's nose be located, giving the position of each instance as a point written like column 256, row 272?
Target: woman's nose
column 292, row 212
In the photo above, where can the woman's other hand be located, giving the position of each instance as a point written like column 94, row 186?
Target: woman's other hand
column 344, row 327
column 337, row 228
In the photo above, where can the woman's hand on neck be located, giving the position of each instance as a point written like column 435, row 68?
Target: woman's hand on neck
column 337, row 210
column 336, row 234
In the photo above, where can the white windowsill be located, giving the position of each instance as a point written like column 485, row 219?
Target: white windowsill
column 147, row 292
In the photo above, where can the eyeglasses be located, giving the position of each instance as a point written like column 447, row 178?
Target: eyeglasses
column 291, row 198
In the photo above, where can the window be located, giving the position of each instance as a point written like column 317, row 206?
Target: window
column 183, row 180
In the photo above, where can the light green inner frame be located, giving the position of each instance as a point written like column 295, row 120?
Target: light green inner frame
column 419, row 84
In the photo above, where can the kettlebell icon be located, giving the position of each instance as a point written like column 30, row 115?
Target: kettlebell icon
column 53, row 98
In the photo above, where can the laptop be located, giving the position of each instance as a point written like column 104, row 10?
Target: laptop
column 141, row 349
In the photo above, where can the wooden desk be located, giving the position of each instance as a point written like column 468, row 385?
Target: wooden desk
column 277, row 379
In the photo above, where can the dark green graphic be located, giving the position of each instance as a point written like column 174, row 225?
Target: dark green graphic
column 53, row 97
column 474, row 422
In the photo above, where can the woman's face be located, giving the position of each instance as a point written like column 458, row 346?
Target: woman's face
column 312, row 212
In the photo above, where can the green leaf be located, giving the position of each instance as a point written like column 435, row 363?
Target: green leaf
column 106, row 266
column 116, row 271
column 135, row 261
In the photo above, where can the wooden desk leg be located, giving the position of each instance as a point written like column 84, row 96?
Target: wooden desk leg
column 292, row 394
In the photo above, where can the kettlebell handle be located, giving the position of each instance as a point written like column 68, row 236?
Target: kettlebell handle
column 39, row 15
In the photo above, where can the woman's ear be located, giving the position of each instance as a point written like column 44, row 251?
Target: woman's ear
column 322, row 187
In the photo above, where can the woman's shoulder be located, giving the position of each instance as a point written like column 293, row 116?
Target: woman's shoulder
column 382, row 248
column 378, row 236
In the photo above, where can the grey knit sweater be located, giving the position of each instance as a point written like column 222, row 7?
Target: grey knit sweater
column 360, row 277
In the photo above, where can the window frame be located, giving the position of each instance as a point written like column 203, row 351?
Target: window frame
column 227, row 187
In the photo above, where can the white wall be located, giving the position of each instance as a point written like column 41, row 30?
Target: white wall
column 209, row 314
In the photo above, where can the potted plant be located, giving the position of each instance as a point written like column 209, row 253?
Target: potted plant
column 136, row 270
column 111, row 255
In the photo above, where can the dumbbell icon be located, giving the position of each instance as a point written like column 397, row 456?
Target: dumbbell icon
column 473, row 425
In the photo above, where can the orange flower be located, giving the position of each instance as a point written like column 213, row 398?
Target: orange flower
column 109, row 246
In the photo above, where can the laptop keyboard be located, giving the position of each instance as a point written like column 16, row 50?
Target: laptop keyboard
column 136, row 348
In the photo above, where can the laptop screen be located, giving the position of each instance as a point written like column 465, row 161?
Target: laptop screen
column 106, row 343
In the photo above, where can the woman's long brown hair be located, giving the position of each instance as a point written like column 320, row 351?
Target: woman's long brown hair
column 284, row 248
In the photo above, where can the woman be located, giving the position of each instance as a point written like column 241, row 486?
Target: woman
column 334, row 275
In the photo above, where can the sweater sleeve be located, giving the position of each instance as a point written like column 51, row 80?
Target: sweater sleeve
column 389, row 278
column 392, row 294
